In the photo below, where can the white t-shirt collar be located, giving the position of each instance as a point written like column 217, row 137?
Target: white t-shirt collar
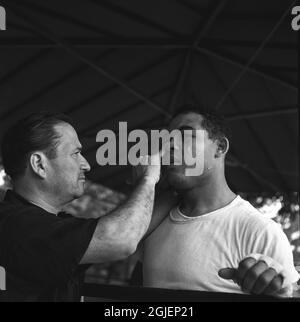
column 177, row 216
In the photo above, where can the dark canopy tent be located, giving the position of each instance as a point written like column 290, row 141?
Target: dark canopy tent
column 106, row 61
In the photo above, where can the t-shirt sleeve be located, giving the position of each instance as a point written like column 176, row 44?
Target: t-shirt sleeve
column 47, row 249
column 273, row 242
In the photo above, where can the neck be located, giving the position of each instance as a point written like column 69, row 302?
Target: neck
column 37, row 197
column 211, row 195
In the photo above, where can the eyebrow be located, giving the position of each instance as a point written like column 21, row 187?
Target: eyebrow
column 78, row 148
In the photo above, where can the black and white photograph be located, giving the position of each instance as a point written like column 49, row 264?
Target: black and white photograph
column 149, row 153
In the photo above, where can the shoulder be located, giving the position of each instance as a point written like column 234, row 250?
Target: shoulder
column 19, row 221
column 9, row 211
column 260, row 234
column 250, row 219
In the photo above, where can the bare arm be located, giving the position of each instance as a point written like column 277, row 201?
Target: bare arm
column 118, row 233
column 163, row 204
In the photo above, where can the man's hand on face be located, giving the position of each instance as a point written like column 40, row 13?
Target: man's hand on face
column 150, row 168
column 254, row 277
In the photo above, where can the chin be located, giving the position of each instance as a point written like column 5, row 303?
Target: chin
column 177, row 180
column 78, row 194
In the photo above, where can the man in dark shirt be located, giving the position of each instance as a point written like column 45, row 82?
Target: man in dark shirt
column 41, row 252
column 44, row 252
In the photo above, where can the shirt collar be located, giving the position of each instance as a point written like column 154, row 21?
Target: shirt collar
column 14, row 198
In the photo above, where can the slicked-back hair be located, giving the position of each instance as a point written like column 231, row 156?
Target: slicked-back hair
column 35, row 132
column 214, row 123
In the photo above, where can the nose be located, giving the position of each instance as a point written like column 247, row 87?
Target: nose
column 85, row 165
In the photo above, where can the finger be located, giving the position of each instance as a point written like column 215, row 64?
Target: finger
column 264, row 281
column 275, row 286
column 144, row 160
column 227, row 273
column 252, row 275
column 163, row 151
column 138, row 170
column 155, row 159
column 243, row 268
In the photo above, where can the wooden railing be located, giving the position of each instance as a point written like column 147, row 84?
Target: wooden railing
column 143, row 294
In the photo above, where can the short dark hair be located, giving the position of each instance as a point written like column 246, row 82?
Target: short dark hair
column 214, row 123
column 35, row 132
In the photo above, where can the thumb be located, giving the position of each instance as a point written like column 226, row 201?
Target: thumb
column 227, row 273
column 163, row 151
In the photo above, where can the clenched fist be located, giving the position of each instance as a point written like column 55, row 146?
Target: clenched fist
column 254, row 277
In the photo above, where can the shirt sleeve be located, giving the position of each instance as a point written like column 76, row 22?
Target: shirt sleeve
column 46, row 249
column 273, row 243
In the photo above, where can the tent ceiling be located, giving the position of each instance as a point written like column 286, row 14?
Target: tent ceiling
column 104, row 61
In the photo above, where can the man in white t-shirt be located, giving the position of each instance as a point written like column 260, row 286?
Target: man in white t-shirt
column 207, row 241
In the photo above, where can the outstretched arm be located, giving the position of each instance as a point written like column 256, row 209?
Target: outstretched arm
column 118, row 233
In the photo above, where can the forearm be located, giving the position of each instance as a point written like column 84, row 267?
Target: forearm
column 129, row 222
column 163, row 204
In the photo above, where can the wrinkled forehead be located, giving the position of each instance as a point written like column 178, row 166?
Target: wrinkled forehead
column 68, row 136
column 188, row 120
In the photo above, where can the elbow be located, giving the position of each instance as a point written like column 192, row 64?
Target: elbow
column 119, row 243
column 126, row 243
column 121, row 250
column 127, row 250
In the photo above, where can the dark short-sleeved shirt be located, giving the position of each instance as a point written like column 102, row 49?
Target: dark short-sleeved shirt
column 41, row 252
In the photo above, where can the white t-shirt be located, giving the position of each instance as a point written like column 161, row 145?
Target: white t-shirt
column 187, row 252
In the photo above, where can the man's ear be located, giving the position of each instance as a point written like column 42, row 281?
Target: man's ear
column 223, row 147
column 38, row 164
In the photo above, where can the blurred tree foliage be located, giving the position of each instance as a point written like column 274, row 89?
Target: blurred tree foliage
column 284, row 209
